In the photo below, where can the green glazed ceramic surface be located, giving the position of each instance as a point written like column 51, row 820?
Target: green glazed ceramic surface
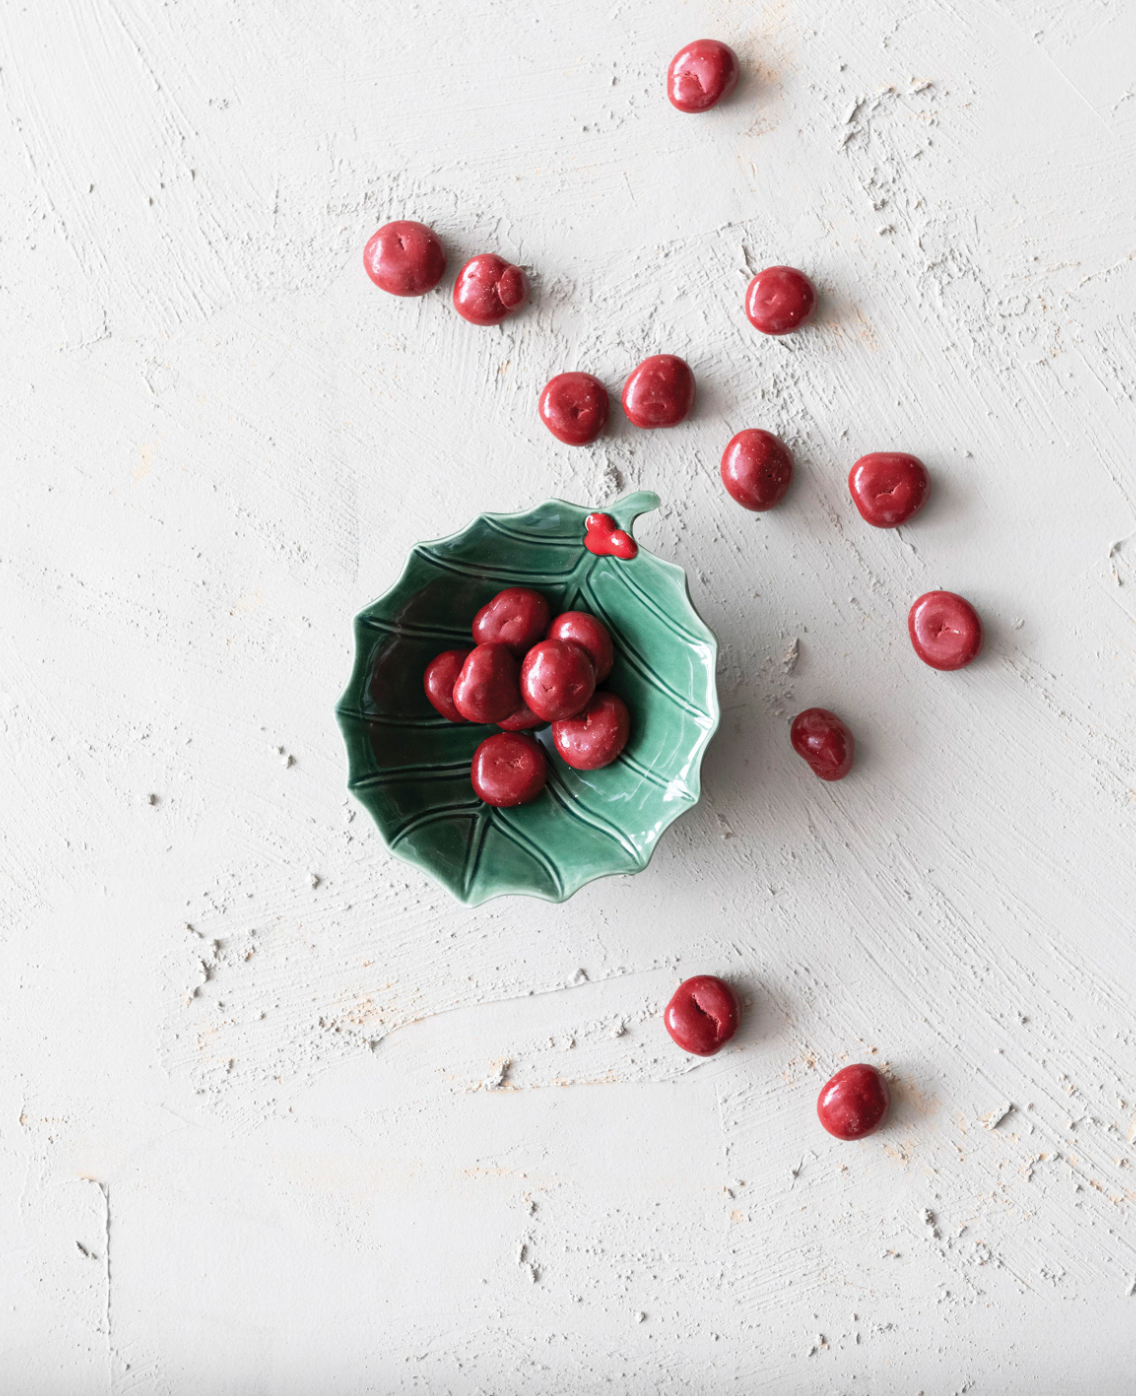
column 410, row 767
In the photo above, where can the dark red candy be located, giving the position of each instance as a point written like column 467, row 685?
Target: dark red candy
column 888, row 487
column 521, row 721
column 757, row 468
column 824, row 741
column 945, row 630
column 517, row 617
column 557, row 679
column 488, row 288
column 487, row 689
column 594, row 738
column 779, row 300
column 855, row 1102
column 439, row 679
column 573, row 407
column 405, row 258
column 509, row 769
column 701, row 74
column 702, row 1015
column 581, row 628
column 660, row 392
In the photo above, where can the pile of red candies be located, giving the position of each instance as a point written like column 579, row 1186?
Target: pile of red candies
column 527, row 668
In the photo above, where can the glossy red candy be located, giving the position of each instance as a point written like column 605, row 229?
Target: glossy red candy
column 855, row 1102
column 557, row 679
column 779, row 300
column 945, row 630
column 509, row 769
column 486, row 689
column 439, row 679
column 594, row 738
column 573, row 407
column 521, row 721
column 888, row 487
column 405, row 258
column 824, row 741
column 701, row 74
column 488, row 288
column 517, row 617
column 757, row 468
column 660, row 392
column 703, row 1015
column 580, row 628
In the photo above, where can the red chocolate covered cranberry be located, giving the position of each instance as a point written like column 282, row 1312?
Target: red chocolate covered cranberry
column 580, row 628
column 888, row 487
column 573, row 407
column 405, row 258
column 703, row 1015
column 486, row 689
column 439, row 679
column 488, row 288
column 855, row 1102
column 757, row 468
column 517, row 617
column 660, row 392
column 945, row 630
column 701, row 74
column 557, row 679
column 779, row 300
column 824, row 741
column 521, row 721
column 509, row 769
column 594, row 738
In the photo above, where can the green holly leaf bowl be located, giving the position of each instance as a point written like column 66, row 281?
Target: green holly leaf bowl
column 410, row 767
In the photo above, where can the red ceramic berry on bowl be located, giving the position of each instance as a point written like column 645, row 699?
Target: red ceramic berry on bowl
column 824, row 741
column 855, row 1102
column 523, row 720
column 573, row 407
column 557, row 679
column 581, row 628
column 945, row 630
column 509, row 769
column 605, row 538
column 701, row 74
column 702, row 1016
column 488, row 288
column 888, row 487
column 757, row 468
column 439, row 679
column 405, row 258
column 517, row 617
column 595, row 737
column 660, row 392
column 779, row 300
column 486, row 689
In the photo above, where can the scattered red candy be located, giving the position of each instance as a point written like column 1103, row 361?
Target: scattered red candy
column 521, row 721
column 573, row 407
column 888, row 487
column 855, row 1102
column 703, row 1015
column 486, row 689
column 779, row 300
column 557, row 679
column 660, row 392
column 439, row 679
column 594, row 738
column 509, row 769
column 757, row 468
column 517, row 617
column 581, row 628
column 945, row 630
column 701, row 74
column 488, row 288
column 405, row 258
column 824, row 741
column 605, row 538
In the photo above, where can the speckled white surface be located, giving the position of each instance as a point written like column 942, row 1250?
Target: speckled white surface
column 264, row 1136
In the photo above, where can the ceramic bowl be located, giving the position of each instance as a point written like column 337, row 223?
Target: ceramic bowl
column 410, row 767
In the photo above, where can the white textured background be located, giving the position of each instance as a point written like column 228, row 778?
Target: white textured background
column 263, row 1137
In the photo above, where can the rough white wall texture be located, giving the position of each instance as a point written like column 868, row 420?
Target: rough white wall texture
column 261, row 1133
